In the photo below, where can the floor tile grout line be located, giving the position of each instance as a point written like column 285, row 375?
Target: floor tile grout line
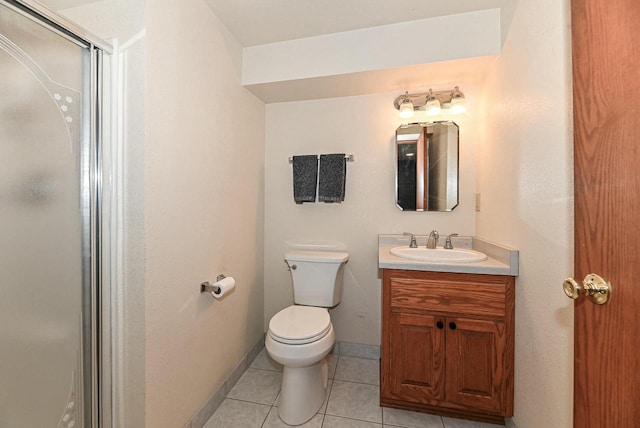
column 247, row 401
column 264, row 421
column 330, row 391
column 323, row 416
column 400, row 426
column 266, row 370
column 261, row 369
column 355, row 381
column 353, row 419
column 328, row 398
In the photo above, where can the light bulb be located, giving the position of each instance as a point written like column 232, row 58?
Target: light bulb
column 458, row 105
column 406, row 109
column 433, row 107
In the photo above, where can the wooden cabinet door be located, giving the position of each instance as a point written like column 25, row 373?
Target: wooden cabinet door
column 415, row 367
column 475, row 368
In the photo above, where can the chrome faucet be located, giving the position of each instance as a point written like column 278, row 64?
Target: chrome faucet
column 413, row 243
column 433, row 239
column 447, row 243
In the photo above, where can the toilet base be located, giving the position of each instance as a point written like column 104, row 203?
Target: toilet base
column 304, row 376
column 298, row 405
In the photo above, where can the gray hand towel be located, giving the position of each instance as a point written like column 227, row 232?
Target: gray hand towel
column 305, row 178
column 333, row 175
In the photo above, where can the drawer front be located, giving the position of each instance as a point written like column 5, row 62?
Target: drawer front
column 482, row 295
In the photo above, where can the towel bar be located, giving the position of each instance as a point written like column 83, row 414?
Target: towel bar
column 348, row 157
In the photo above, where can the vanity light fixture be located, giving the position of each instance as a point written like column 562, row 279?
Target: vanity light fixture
column 433, row 102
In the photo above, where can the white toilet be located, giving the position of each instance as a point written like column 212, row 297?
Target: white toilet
column 301, row 336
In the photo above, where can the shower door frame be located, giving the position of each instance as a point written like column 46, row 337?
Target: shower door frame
column 100, row 220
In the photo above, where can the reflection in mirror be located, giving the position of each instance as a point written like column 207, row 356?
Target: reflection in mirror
column 427, row 166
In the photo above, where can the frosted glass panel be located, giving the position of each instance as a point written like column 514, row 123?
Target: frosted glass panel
column 43, row 226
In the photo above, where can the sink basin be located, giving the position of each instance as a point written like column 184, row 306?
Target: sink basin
column 456, row 255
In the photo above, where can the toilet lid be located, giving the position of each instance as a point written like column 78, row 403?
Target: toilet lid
column 300, row 324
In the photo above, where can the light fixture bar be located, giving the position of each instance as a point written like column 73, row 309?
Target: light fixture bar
column 420, row 99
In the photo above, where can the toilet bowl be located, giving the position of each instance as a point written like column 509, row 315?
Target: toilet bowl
column 300, row 336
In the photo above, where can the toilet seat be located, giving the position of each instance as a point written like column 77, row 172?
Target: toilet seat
column 298, row 325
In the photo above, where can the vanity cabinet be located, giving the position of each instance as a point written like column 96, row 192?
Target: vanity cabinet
column 447, row 343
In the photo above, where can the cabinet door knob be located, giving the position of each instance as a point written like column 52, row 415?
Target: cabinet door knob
column 452, row 326
column 440, row 325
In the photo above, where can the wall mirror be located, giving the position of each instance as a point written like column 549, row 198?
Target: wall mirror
column 427, row 166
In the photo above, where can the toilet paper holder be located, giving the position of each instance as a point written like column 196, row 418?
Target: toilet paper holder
column 207, row 287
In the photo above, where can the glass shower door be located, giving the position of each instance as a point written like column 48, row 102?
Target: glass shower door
column 46, row 192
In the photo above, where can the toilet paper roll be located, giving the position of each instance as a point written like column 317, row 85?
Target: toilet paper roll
column 224, row 286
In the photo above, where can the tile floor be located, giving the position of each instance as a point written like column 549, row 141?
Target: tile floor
column 352, row 400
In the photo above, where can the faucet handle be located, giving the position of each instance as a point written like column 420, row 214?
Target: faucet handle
column 413, row 243
column 447, row 242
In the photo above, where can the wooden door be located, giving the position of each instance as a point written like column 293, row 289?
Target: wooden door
column 416, row 344
column 606, row 96
column 475, row 368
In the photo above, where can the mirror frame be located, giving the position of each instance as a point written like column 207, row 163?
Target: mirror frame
column 420, row 187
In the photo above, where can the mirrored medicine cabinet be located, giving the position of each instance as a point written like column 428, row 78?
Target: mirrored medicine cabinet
column 427, row 166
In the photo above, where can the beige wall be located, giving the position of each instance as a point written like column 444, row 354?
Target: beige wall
column 203, row 209
column 364, row 126
column 525, row 176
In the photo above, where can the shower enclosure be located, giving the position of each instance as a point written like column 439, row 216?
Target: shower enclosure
column 53, row 232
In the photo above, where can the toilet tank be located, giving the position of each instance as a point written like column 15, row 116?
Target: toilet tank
column 317, row 277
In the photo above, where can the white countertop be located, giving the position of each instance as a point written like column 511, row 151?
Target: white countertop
column 501, row 260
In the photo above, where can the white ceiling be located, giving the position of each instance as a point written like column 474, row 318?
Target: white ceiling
column 256, row 22
column 65, row 4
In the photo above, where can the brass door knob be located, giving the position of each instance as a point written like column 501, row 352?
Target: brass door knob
column 597, row 289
